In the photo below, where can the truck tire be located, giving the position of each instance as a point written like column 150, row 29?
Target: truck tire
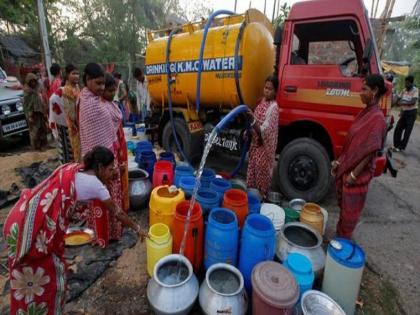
column 184, row 137
column 304, row 170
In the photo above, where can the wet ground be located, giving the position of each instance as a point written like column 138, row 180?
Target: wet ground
column 388, row 232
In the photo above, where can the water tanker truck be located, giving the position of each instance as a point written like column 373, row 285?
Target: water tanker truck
column 198, row 72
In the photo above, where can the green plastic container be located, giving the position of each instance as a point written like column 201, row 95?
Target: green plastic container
column 291, row 215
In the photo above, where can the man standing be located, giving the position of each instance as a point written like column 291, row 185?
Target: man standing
column 143, row 97
column 408, row 102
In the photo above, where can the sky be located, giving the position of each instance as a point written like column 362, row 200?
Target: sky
column 401, row 7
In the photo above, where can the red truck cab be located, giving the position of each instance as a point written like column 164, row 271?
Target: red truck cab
column 324, row 51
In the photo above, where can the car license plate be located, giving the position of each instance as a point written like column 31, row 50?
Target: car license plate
column 13, row 126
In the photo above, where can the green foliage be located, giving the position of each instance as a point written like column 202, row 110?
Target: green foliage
column 284, row 12
column 402, row 43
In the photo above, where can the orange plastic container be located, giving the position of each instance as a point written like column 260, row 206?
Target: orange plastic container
column 195, row 236
column 237, row 201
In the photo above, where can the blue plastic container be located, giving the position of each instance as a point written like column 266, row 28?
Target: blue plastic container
column 131, row 147
column 258, row 243
column 182, row 171
column 254, row 204
column 220, row 185
column 221, row 238
column 147, row 160
column 187, row 184
column 208, row 199
column 142, row 146
column 301, row 268
column 167, row 156
column 206, row 177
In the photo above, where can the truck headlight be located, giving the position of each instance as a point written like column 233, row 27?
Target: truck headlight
column 19, row 106
column 6, row 109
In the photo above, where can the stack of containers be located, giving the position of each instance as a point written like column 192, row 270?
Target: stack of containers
column 221, row 238
column 167, row 156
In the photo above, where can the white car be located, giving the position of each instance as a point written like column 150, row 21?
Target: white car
column 12, row 117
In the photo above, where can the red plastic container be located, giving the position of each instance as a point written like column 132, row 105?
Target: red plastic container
column 163, row 173
column 195, row 235
column 237, row 201
column 274, row 289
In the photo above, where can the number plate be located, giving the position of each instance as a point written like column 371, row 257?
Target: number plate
column 13, row 126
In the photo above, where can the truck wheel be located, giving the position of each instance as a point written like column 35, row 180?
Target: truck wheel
column 184, row 137
column 304, row 170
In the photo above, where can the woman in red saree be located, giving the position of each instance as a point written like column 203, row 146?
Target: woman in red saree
column 98, row 124
column 354, row 169
column 35, row 229
column 264, row 139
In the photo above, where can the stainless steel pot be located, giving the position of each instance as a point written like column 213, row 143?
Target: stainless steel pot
column 168, row 294
column 139, row 188
column 301, row 238
column 223, row 291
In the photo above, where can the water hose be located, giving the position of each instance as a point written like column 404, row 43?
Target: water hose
column 200, row 59
column 169, row 82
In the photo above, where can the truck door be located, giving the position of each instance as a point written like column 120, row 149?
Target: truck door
column 319, row 97
column 323, row 74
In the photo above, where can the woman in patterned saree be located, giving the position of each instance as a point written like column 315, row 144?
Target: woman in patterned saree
column 36, row 225
column 98, row 124
column 264, row 139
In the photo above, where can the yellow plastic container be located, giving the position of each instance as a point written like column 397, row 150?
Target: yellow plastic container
column 158, row 245
column 162, row 205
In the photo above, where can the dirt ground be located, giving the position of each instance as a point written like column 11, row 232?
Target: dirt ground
column 122, row 288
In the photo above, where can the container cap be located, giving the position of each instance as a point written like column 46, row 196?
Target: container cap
column 274, row 213
column 275, row 285
column 346, row 253
column 317, row 303
column 298, row 263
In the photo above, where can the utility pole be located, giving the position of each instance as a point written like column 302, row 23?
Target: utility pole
column 274, row 11
column 236, row 2
column 265, row 5
column 44, row 36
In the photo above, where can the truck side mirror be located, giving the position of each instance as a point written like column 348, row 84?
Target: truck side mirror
column 278, row 36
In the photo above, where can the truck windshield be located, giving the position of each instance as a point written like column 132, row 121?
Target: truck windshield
column 328, row 43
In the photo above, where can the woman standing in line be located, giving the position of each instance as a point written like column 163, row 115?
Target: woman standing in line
column 60, row 122
column 264, row 139
column 97, row 126
column 355, row 167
